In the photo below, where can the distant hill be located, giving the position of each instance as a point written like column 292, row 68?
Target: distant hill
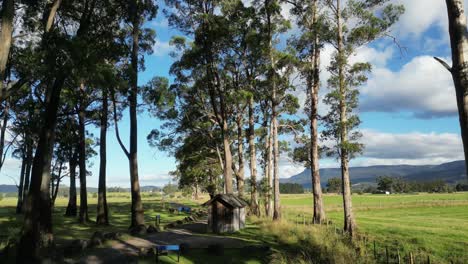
column 4, row 188
column 451, row 172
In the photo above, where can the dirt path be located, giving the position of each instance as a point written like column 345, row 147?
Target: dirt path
column 194, row 235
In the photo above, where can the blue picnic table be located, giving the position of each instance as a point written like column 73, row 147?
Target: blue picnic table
column 161, row 248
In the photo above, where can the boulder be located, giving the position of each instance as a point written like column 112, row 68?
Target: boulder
column 138, row 230
column 152, row 229
column 112, row 236
column 97, row 239
column 216, row 249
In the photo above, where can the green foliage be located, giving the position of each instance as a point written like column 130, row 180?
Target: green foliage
column 334, row 185
column 170, row 189
column 289, row 188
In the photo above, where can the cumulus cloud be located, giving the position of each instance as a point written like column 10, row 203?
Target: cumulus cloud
column 162, row 48
column 419, row 16
column 422, row 86
column 416, row 147
column 383, row 148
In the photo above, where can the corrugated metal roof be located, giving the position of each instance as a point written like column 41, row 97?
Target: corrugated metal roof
column 229, row 199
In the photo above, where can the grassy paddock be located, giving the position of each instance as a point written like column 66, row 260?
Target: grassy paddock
column 425, row 224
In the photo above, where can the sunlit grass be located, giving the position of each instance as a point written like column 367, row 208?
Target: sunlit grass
column 432, row 224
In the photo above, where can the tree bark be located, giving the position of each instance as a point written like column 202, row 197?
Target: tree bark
column 240, row 153
column 349, row 221
column 19, row 204
column 227, row 158
column 102, row 210
column 29, row 160
column 83, row 215
column 459, row 44
column 138, row 219
column 269, row 154
column 37, row 230
column 253, row 161
column 72, row 206
column 55, row 187
column 7, row 16
column 314, row 86
column 6, row 116
column 274, row 115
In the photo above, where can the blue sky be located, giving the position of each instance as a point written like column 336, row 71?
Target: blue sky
column 408, row 107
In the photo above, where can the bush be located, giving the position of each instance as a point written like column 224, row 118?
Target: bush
column 310, row 244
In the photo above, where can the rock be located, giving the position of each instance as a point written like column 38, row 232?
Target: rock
column 112, row 236
column 152, row 229
column 138, row 230
column 216, row 249
column 184, row 248
column 79, row 245
column 170, row 225
column 97, row 239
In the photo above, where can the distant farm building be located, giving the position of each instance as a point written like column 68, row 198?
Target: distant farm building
column 226, row 213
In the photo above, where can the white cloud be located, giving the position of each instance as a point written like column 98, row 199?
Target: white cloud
column 431, row 148
column 162, row 48
column 419, row 16
column 422, row 86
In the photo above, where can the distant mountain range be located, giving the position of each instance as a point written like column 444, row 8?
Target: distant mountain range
column 450, row 172
column 4, row 188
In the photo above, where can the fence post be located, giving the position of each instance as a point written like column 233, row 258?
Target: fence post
column 386, row 254
column 411, row 260
column 375, row 251
column 428, row 259
column 398, row 256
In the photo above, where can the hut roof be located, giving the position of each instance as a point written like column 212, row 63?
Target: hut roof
column 229, row 200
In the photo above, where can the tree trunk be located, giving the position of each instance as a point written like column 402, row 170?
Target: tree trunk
column 7, row 16
column 349, row 222
column 138, row 219
column 102, row 211
column 253, row 161
column 72, row 207
column 240, row 153
column 459, row 70
column 37, row 229
column 83, row 215
column 268, row 198
column 227, row 158
column 276, row 191
column 6, row 115
column 29, row 160
column 55, row 187
column 19, row 204
column 314, row 86
column 274, row 117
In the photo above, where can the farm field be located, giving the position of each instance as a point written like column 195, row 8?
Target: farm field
column 425, row 224
column 434, row 224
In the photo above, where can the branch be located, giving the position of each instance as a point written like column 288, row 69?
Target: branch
column 444, row 64
column 127, row 153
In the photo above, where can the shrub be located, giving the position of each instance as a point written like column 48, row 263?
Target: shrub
column 310, row 244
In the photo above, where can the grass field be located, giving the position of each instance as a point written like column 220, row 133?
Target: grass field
column 433, row 224
column 425, row 224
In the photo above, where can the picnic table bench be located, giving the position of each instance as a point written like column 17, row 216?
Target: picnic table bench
column 161, row 248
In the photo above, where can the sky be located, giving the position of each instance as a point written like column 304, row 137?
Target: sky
column 408, row 107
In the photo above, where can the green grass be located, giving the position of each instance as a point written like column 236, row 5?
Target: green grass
column 426, row 224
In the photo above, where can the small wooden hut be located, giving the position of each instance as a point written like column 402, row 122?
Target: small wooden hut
column 226, row 213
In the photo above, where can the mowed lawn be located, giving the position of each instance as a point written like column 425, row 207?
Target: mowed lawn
column 435, row 224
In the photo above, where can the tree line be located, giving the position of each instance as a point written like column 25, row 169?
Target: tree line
column 67, row 65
